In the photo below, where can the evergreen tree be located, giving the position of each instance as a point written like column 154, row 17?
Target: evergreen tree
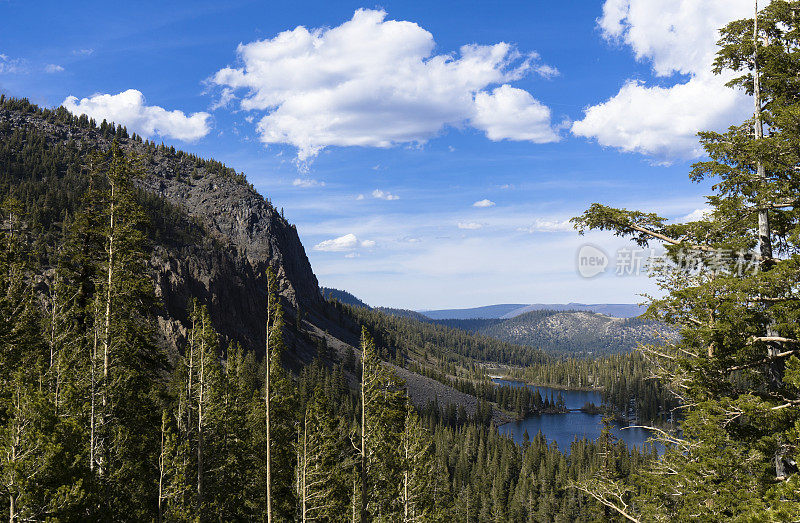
column 324, row 461
column 382, row 416
column 418, row 466
column 279, row 417
column 735, row 364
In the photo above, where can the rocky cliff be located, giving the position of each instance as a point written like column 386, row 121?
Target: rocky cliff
column 214, row 235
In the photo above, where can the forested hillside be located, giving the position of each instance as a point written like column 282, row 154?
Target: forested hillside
column 510, row 310
column 128, row 393
column 211, row 235
column 570, row 333
column 342, row 296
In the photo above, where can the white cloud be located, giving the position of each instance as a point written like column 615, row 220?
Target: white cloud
column 547, row 71
column 381, row 195
column 53, row 68
column 10, row 65
column 663, row 122
column 376, row 83
column 471, row 226
column 360, row 197
column 483, row 203
column 695, row 215
column 677, row 38
column 128, row 108
column 540, row 225
column 307, row 183
column 225, row 98
column 509, row 113
column 348, row 242
column 82, row 52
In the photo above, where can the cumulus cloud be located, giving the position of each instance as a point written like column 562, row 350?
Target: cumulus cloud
column 470, row 226
column 348, row 242
column 676, row 38
column 376, row 83
column 53, row 68
column 128, row 108
column 508, row 113
column 307, row 183
column 382, row 195
column 483, row 203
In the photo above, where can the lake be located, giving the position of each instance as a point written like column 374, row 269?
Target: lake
column 563, row 428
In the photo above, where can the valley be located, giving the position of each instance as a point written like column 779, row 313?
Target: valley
column 204, row 275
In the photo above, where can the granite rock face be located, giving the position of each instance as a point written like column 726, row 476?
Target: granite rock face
column 242, row 235
column 214, row 237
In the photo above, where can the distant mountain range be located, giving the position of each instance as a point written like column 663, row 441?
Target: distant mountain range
column 574, row 333
column 511, row 310
column 575, row 329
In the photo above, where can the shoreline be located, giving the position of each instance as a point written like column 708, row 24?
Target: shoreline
column 554, row 387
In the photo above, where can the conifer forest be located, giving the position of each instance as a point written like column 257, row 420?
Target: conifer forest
column 167, row 353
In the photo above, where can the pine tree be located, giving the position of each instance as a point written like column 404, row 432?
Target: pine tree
column 382, row 416
column 418, row 466
column 735, row 365
column 279, row 416
column 324, row 462
column 38, row 450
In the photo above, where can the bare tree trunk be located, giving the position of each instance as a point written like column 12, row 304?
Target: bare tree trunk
column 12, row 456
column 161, row 471
column 303, row 491
column 775, row 367
column 93, row 394
column 266, row 407
column 107, row 332
column 201, row 385
column 353, row 518
column 764, row 233
column 405, row 476
column 363, row 438
column 53, row 371
column 12, row 498
column 189, row 390
column 405, row 495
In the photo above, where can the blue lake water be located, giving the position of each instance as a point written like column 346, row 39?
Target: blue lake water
column 564, row 428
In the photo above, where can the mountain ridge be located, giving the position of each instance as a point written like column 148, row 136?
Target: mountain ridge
column 212, row 238
column 510, row 310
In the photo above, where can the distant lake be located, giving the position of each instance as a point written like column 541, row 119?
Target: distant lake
column 564, row 428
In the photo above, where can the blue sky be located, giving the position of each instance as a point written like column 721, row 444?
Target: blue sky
column 430, row 155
